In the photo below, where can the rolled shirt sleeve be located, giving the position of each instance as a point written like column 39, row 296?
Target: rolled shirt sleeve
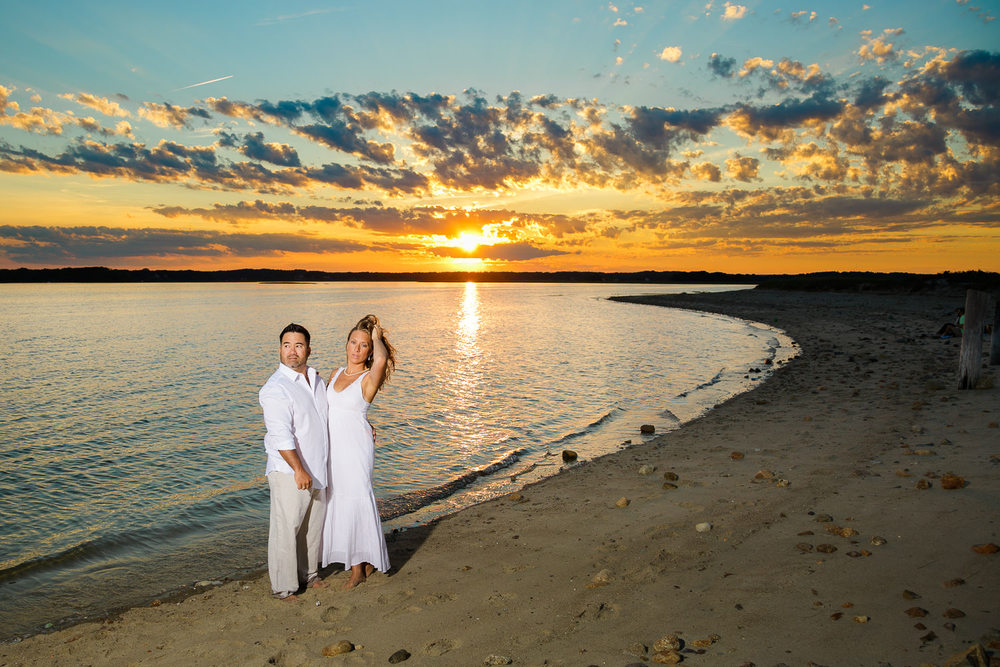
column 277, row 409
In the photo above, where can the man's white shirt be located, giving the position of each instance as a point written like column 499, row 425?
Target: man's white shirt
column 297, row 417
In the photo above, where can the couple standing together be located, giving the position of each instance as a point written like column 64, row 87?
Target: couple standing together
column 320, row 455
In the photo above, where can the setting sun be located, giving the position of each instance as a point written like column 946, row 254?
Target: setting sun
column 468, row 242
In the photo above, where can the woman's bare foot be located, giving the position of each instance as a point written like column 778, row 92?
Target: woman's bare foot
column 319, row 583
column 357, row 577
column 369, row 568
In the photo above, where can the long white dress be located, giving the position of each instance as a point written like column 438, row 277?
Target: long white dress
column 352, row 530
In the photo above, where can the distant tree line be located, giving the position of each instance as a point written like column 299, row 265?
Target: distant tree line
column 836, row 281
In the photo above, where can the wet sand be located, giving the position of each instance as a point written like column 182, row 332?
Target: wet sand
column 817, row 544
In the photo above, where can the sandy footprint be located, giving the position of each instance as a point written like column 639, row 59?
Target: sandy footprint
column 441, row 646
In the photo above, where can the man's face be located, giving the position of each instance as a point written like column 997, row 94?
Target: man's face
column 294, row 351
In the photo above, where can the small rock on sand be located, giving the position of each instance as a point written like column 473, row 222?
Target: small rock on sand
column 646, row 469
column 667, row 643
column 343, row 646
column 497, row 660
column 623, row 502
column 668, row 657
column 736, row 456
column 602, row 578
column 568, row 455
column 703, row 527
column 647, row 428
column 399, row 656
column 950, row 481
column 988, row 548
column 670, row 476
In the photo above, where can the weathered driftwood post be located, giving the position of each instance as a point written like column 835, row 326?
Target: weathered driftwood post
column 995, row 344
column 970, row 358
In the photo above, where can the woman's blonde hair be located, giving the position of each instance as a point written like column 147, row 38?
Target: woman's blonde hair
column 366, row 324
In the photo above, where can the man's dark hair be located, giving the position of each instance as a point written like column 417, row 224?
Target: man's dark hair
column 294, row 328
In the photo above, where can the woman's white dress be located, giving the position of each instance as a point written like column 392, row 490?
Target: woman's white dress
column 352, row 530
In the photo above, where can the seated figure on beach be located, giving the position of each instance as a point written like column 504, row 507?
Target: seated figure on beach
column 953, row 328
column 352, row 532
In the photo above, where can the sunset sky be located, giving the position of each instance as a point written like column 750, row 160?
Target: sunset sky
column 753, row 137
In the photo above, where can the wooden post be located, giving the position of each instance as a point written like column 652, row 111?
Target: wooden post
column 995, row 344
column 970, row 358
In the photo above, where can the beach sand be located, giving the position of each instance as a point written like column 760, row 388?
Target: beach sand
column 821, row 550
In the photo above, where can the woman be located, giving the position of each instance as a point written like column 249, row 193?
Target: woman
column 352, row 532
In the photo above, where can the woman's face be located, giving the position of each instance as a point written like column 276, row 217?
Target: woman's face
column 359, row 345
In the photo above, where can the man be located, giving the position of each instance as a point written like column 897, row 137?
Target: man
column 297, row 444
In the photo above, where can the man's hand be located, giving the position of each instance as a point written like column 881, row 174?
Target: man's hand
column 302, row 480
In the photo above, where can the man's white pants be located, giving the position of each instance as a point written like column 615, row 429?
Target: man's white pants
column 295, row 539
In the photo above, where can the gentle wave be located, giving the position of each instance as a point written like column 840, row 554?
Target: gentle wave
column 407, row 503
column 587, row 430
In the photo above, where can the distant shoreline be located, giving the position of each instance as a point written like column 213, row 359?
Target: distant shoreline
column 853, row 281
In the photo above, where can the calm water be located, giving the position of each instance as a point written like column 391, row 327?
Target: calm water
column 132, row 441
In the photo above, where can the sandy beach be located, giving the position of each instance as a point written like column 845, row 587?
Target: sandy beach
column 806, row 522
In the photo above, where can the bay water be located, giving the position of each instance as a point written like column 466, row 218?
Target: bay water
column 131, row 439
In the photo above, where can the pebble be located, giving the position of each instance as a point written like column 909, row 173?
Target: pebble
column 988, row 548
column 764, row 474
column 843, row 532
column 568, row 455
column 668, row 657
column 646, row 469
column 602, row 578
column 922, row 484
column 703, row 527
column 736, row 456
column 804, row 547
column 910, row 595
column 823, row 518
column 343, row 646
column 952, row 583
column 826, row 548
column 916, row 612
column 954, row 613
column 205, row 584
column 950, row 481
column 623, row 502
column 878, row 540
column 667, row 643
column 781, row 483
column 399, row 656
column 670, row 476
column 862, row 619
column 497, row 660
column 637, row 649
column 647, row 428
column 516, row 497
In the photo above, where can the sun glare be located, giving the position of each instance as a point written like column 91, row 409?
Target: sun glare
column 468, row 242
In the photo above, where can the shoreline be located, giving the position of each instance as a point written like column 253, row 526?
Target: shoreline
column 559, row 572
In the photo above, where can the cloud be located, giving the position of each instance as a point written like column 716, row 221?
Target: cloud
column 101, row 104
column 879, row 49
column 721, row 66
column 733, row 11
column 743, row 168
column 508, row 252
column 671, row 54
column 40, row 245
column 256, row 148
column 168, row 115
